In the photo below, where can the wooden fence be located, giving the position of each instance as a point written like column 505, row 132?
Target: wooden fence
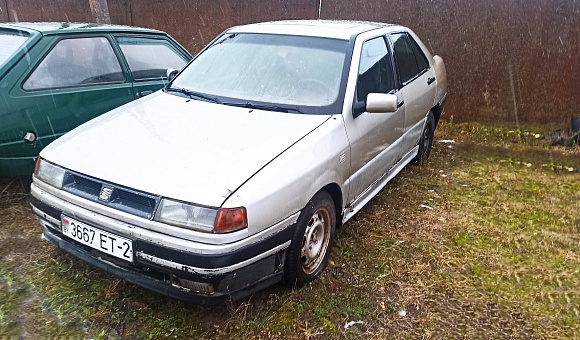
column 505, row 58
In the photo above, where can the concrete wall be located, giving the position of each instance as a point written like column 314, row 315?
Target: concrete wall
column 503, row 56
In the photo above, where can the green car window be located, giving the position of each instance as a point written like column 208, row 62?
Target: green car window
column 149, row 59
column 77, row 62
column 9, row 43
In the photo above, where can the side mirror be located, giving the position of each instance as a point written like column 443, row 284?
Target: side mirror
column 171, row 73
column 381, row 103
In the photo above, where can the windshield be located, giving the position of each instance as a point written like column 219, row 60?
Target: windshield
column 266, row 68
column 9, row 43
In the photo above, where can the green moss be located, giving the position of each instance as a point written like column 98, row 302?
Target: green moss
column 477, row 270
column 167, row 327
column 329, row 325
column 287, row 313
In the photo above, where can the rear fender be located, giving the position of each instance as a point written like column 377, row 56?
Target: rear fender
column 441, row 75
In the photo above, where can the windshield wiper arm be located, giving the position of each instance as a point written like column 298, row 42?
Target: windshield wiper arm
column 249, row 105
column 267, row 107
column 193, row 94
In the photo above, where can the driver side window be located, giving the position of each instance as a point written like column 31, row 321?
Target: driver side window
column 375, row 72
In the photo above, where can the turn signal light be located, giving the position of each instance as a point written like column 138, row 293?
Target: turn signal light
column 230, row 219
column 36, row 165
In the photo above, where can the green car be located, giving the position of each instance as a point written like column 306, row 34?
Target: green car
column 56, row 76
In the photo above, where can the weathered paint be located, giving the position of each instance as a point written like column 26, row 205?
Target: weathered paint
column 3, row 12
column 195, row 23
column 120, row 12
column 48, row 10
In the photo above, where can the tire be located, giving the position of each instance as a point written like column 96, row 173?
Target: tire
column 312, row 241
column 426, row 141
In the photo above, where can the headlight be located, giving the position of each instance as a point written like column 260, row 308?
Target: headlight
column 49, row 173
column 201, row 218
column 186, row 215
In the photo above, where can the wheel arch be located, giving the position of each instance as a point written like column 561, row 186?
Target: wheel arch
column 312, row 240
column 335, row 193
column 437, row 111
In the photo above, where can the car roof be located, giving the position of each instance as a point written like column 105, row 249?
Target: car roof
column 337, row 29
column 48, row 28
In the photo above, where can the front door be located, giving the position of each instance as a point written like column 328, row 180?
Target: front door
column 77, row 79
column 373, row 136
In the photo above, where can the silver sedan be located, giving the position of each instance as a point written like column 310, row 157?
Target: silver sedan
column 236, row 175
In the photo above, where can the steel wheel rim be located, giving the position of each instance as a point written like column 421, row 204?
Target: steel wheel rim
column 316, row 240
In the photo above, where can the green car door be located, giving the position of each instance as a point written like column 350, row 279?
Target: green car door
column 63, row 82
column 54, row 77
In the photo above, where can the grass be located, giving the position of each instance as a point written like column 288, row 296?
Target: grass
column 483, row 242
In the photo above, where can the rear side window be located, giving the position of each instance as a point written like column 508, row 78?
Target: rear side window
column 149, row 59
column 422, row 62
column 405, row 57
column 77, row 62
column 375, row 73
column 9, row 43
column 410, row 59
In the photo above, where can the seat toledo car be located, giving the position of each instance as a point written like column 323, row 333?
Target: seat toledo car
column 56, row 76
column 236, row 176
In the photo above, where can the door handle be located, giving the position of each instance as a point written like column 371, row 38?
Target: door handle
column 430, row 80
column 144, row 93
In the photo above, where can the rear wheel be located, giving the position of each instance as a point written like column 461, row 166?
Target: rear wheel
column 312, row 241
column 426, row 141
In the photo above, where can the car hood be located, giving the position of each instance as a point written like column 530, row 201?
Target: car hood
column 183, row 149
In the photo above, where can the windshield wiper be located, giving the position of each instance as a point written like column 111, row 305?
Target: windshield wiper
column 267, row 107
column 249, row 105
column 193, row 94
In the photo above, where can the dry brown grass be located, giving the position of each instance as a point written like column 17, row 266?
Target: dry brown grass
column 497, row 256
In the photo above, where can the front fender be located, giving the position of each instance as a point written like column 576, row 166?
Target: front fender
column 286, row 184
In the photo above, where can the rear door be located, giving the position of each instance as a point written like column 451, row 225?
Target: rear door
column 148, row 59
column 416, row 83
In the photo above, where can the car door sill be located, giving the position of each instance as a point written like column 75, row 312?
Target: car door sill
column 378, row 185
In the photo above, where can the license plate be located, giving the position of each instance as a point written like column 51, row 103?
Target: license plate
column 96, row 238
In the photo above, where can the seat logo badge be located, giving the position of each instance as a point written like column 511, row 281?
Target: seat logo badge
column 105, row 194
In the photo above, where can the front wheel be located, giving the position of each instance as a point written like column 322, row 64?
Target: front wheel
column 426, row 141
column 312, row 241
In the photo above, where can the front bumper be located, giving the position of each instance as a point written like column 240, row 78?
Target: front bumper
column 209, row 278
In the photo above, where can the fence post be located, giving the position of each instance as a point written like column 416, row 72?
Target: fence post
column 100, row 11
